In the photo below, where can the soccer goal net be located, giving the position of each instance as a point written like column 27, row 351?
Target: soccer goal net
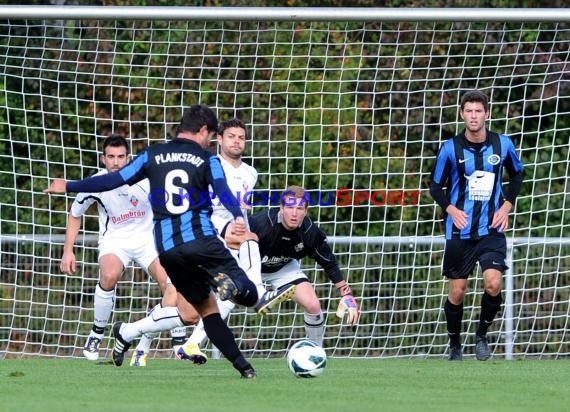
column 351, row 99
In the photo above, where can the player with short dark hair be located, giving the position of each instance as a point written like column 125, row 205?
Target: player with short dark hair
column 125, row 235
column 180, row 171
column 466, row 183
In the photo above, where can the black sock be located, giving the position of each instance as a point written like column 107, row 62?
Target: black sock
column 223, row 339
column 454, row 316
column 490, row 305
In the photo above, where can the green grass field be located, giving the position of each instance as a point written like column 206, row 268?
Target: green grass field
column 347, row 384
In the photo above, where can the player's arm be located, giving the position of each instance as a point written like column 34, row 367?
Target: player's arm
column 440, row 176
column 223, row 192
column 326, row 259
column 80, row 205
column 233, row 237
column 68, row 263
column 514, row 168
column 129, row 174
column 100, row 183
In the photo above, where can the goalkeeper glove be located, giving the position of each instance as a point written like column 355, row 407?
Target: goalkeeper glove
column 348, row 304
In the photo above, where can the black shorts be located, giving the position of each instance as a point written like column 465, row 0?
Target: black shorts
column 192, row 266
column 461, row 255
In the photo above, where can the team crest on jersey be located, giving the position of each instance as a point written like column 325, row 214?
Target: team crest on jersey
column 134, row 201
column 299, row 247
column 494, row 159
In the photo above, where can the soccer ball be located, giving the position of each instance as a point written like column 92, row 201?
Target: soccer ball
column 306, row 359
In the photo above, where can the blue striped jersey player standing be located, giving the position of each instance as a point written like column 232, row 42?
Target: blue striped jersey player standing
column 466, row 182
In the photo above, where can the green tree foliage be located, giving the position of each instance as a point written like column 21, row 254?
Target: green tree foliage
column 354, row 105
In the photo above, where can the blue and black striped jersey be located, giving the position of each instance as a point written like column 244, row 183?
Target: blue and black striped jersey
column 180, row 173
column 472, row 175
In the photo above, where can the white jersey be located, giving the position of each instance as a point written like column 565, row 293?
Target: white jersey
column 125, row 213
column 241, row 180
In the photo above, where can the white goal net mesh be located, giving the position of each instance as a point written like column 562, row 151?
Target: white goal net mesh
column 361, row 106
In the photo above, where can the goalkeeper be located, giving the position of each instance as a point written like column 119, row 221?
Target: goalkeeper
column 286, row 235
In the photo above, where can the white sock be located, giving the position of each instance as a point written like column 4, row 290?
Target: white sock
column 199, row 335
column 250, row 262
column 95, row 334
column 146, row 339
column 160, row 319
column 315, row 327
column 103, row 304
column 145, row 342
column 225, row 307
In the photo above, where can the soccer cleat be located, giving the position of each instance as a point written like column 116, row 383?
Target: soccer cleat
column 273, row 298
column 455, row 353
column 191, row 352
column 121, row 346
column 482, row 351
column 139, row 358
column 91, row 349
column 225, row 287
column 249, row 374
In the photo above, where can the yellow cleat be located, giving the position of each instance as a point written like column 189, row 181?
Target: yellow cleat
column 139, row 358
column 191, row 352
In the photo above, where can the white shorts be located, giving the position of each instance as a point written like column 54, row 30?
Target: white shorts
column 287, row 274
column 140, row 249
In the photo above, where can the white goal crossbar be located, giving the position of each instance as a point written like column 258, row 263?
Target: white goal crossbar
column 364, row 14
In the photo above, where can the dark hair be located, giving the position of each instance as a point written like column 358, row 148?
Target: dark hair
column 196, row 117
column 475, row 96
column 235, row 122
column 115, row 140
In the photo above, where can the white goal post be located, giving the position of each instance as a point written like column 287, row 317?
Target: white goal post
column 334, row 98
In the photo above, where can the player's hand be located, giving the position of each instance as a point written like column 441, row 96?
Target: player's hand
column 501, row 217
column 348, row 305
column 68, row 263
column 458, row 216
column 239, row 228
column 57, row 186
